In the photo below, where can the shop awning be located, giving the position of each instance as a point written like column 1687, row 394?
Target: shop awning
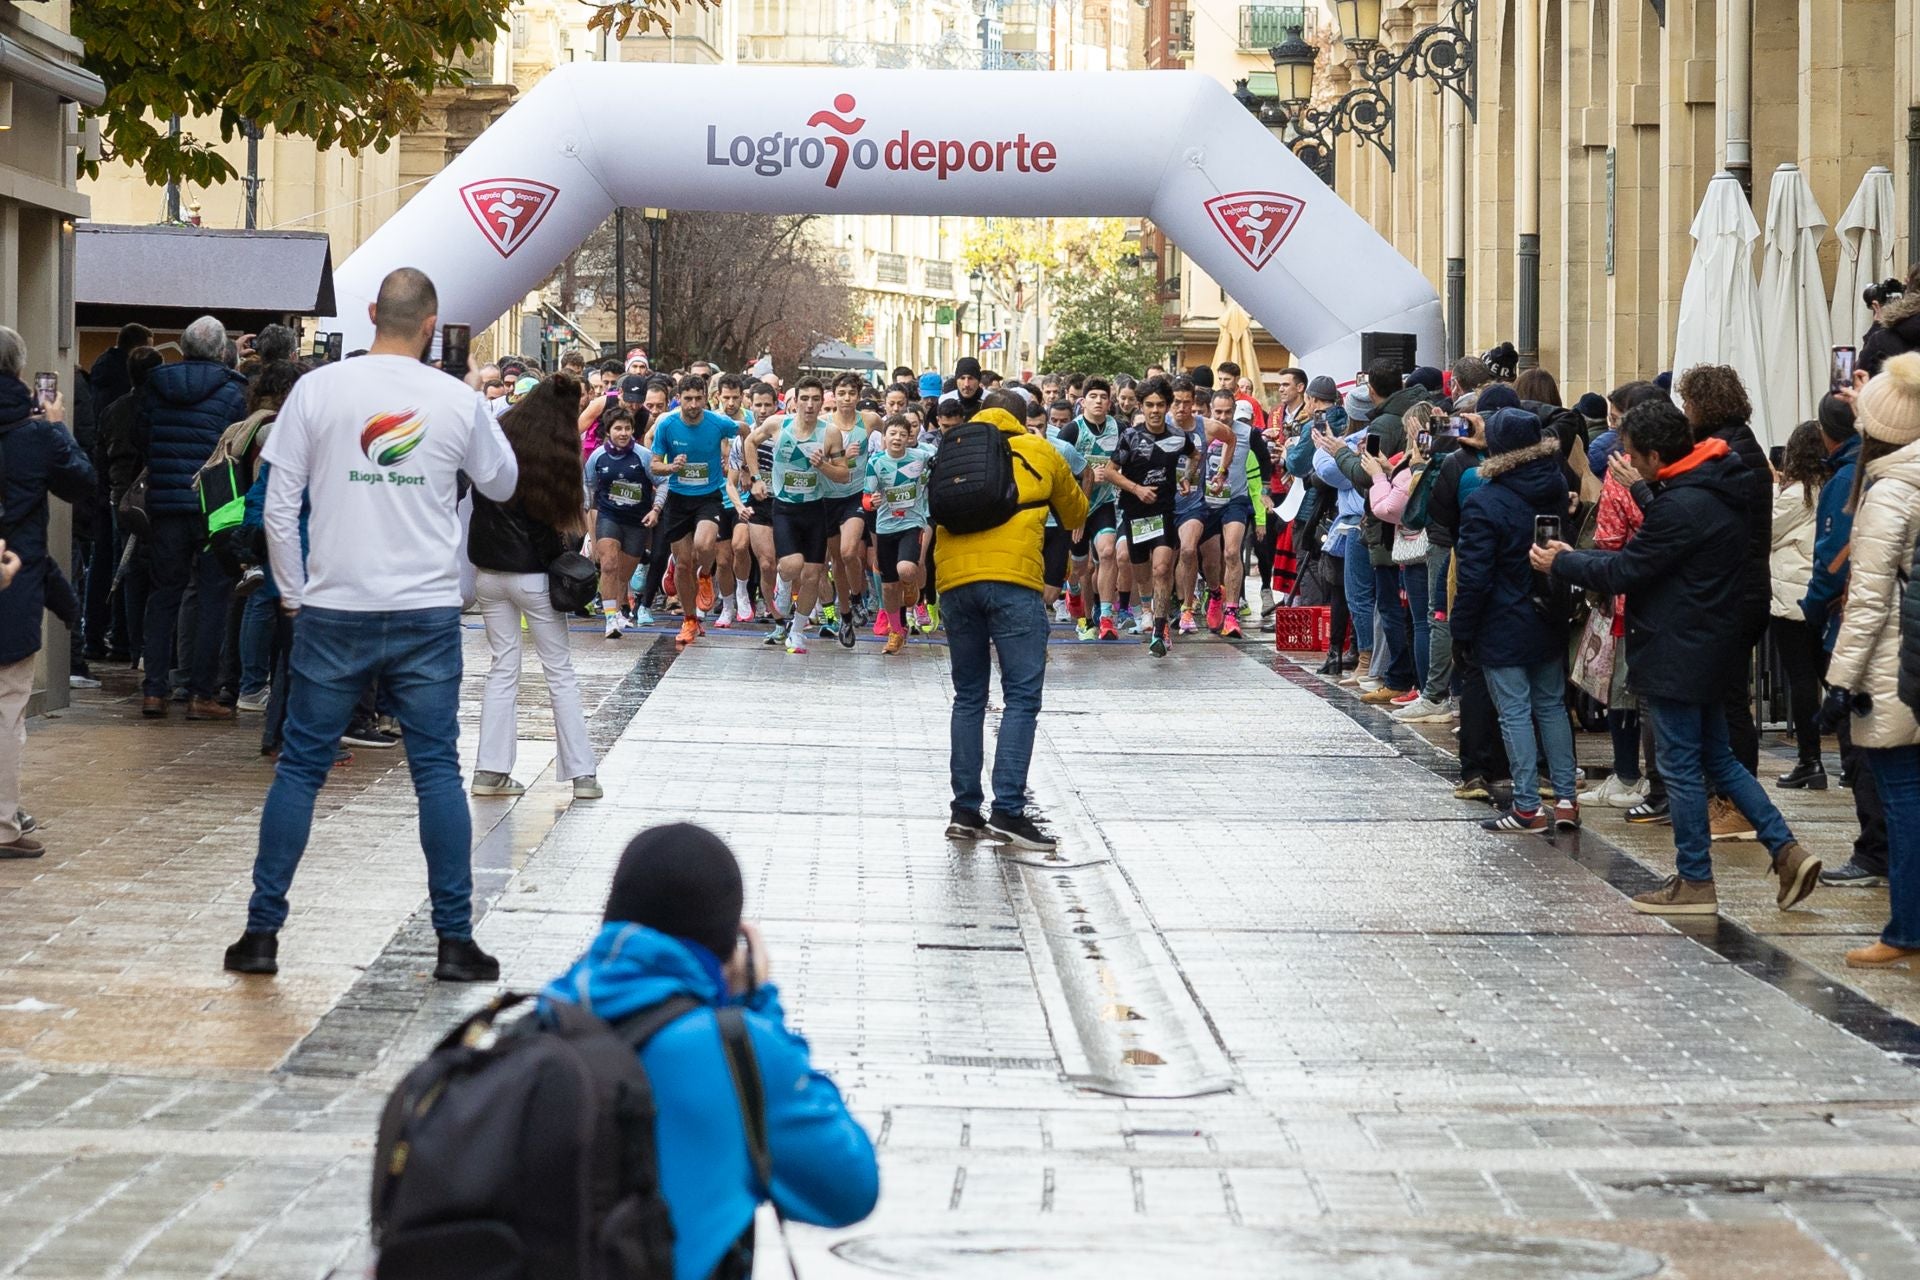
column 161, row 274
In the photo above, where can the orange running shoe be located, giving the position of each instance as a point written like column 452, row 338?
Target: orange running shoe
column 704, row 600
column 896, row 641
column 689, row 632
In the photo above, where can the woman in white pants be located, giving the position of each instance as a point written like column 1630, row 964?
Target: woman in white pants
column 511, row 544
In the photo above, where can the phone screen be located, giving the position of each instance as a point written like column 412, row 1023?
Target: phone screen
column 455, row 339
column 336, row 346
column 1545, row 529
column 1373, row 445
column 45, row 387
column 1842, row 367
column 1426, row 441
column 1461, row 427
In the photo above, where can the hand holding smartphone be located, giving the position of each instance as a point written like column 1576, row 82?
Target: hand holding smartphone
column 46, row 389
column 1546, row 529
column 1842, row 370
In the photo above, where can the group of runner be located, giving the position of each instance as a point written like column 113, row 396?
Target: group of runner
column 808, row 510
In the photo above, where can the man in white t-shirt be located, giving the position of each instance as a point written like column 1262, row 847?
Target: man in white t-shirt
column 376, row 446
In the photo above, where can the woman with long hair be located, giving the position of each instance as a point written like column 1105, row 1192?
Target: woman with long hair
column 511, row 544
column 1797, row 481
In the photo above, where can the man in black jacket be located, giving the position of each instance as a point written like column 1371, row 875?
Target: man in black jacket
column 1684, row 579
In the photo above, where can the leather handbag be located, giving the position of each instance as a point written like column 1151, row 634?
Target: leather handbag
column 572, row 582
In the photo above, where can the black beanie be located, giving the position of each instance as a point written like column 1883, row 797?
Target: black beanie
column 966, row 366
column 681, row 880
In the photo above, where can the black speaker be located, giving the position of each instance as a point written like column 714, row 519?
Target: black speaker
column 1397, row 347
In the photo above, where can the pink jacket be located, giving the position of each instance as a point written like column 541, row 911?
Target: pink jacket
column 1388, row 496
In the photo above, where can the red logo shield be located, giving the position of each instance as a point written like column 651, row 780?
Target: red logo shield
column 1255, row 223
column 508, row 209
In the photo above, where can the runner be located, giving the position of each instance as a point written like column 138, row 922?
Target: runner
column 1199, row 533
column 688, row 447
column 847, row 514
column 1098, row 437
column 1145, row 468
column 805, row 451
column 753, row 541
column 896, row 485
column 730, row 567
column 1056, row 544
column 1231, row 438
column 620, row 490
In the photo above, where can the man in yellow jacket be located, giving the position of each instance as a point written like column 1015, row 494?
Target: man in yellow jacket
column 990, row 595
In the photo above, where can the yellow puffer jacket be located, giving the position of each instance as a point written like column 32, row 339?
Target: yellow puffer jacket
column 1011, row 552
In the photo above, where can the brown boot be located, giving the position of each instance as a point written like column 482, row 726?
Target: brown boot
column 1678, row 897
column 1799, row 873
column 153, row 708
column 1727, row 822
column 208, row 709
column 1359, row 672
column 1881, row 956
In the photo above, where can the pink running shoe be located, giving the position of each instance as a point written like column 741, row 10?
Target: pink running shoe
column 1216, row 611
column 883, row 624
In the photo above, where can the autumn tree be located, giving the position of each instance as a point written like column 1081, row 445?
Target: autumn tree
column 732, row 285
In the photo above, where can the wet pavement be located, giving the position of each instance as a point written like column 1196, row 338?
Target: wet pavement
column 1277, row 1006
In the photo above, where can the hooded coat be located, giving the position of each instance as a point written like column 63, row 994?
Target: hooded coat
column 1493, row 602
column 1010, row 552
column 185, row 408
column 1684, row 577
column 1898, row 331
column 824, row 1170
column 1756, row 489
column 1867, row 654
column 38, row 458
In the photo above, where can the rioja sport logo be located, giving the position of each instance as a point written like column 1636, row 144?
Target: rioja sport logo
column 508, row 209
column 388, row 438
column 1255, row 223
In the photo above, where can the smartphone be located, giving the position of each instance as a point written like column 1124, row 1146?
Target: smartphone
column 1425, row 439
column 319, row 346
column 46, row 386
column 1545, row 529
column 1461, row 427
column 336, row 347
column 1777, row 456
column 1842, row 368
column 746, row 942
column 455, row 339
column 1373, row 445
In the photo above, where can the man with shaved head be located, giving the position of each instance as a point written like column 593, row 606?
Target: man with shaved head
column 374, row 447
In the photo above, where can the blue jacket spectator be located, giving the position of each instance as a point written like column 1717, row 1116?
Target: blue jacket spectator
column 1832, row 532
column 187, row 407
column 1493, row 602
column 38, row 459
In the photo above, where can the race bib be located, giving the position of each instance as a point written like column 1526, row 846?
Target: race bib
column 1216, row 492
column 803, row 481
column 1147, row 528
column 694, row 473
column 626, row 493
column 901, row 495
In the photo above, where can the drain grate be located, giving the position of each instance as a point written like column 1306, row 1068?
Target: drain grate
column 986, row 1063
column 1708, row 1186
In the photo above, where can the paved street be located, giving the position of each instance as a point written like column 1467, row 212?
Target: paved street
column 1276, row 1007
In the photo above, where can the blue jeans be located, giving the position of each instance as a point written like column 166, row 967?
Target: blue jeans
column 1413, row 577
column 415, row 654
column 1897, row 770
column 256, row 640
column 1438, row 685
column 1396, row 664
column 1694, row 755
column 1013, row 621
column 1359, row 571
column 1530, row 697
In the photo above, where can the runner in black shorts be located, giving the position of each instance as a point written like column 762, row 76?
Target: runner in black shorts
column 1147, row 461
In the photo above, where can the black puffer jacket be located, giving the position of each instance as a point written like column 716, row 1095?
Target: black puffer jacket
column 1897, row 331
column 1684, row 577
column 1910, row 638
column 1756, row 486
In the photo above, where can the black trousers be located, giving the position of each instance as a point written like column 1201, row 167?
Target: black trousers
column 1799, row 650
column 1483, row 752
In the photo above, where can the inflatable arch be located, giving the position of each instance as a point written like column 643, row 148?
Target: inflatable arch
column 1170, row 146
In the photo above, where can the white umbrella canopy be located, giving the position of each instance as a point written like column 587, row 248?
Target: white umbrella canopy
column 1866, row 233
column 1719, row 305
column 1796, row 333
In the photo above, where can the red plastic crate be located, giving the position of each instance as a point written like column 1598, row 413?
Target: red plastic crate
column 1302, row 628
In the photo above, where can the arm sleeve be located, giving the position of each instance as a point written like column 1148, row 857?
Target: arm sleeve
column 69, row 475
column 1388, row 497
column 1663, row 541
column 489, row 463
column 1473, row 555
column 1832, row 533
column 1300, row 457
column 289, row 452
column 1881, row 545
column 824, row 1168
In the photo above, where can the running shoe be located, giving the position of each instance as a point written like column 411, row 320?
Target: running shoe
column 690, row 629
column 495, row 784
column 778, row 634
column 847, row 635
column 930, row 617
column 1230, row 625
column 641, row 616
column 1519, row 820
column 882, row 624
column 1060, row 613
column 1407, row 699
column 966, row 824
column 1107, row 630
column 614, row 629
column 782, row 597
column 1215, row 612
column 796, row 638
column 828, row 630
column 1158, row 645
column 1076, row 605
column 726, row 619
column 743, row 607
column 1187, row 625
column 256, row 701
column 671, row 582
column 1020, row 831
column 704, row 599
column 1142, row 622
column 1084, row 629
column 828, row 612
column 896, row 641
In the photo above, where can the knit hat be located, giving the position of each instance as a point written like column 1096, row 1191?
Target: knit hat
column 1888, row 407
column 1498, row 396
column 1504, row 360
column 1324, row 389
column 1592, row 406
column 1425, row 376
column 966, row 365
column 1360, row 406
column 1511, row 429
column 681, row 880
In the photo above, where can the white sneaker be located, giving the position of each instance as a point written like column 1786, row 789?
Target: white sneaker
column 614, row 629
column 783, row 597
column 1368, row 685
column 495, row 784
column 1060, row 613
column 742, row 606
column 797, row 637
column 82, row 682
column 1420, row 711
column 253, row 701
column 1266, row 601
column 727, row 615
column 587, row 788
column 1615, row 794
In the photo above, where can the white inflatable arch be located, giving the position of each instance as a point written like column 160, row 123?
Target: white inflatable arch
column 1170, row 146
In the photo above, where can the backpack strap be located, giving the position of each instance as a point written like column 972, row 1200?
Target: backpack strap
column 744, row 1068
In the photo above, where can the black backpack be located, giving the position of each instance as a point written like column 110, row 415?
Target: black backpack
column 971, row 486
column 528, row 1153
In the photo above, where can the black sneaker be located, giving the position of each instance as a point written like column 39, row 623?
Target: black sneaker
column 1017, row 829
column 27, row 823
column 1851, row 875
column 1651, row 811
column 462, row 960
column 848, row 634
column 254, row 953
column 966, row 824
column 368, row 736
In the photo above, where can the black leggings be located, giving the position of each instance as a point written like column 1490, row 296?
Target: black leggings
column 1799, row 650
column 1266, row 547
column 1341, row 620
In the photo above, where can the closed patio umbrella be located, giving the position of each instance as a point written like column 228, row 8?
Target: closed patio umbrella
column 1866, row 232
column 1796, row 333
column 1719, row 305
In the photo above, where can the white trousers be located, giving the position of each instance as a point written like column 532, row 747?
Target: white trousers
column 16, row 686
column 503, row 598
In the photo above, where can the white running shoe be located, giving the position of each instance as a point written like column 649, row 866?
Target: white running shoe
column 1616, row 794
column 1060, row 613
column 783, row 598
column 1420, row 711
column 727, row 615
column 742, row 605
column 797, row 638
column 614, row 629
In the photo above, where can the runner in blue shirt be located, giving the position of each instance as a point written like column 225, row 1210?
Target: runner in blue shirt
column 689, row 447
column 896, row 485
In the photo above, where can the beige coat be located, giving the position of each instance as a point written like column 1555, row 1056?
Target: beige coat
column 1866, row 656
column 1792, row 560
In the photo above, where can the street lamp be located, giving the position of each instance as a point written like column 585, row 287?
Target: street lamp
column 656, row 220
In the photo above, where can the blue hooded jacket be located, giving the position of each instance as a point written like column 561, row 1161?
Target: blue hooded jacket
column 187, row 406
column 1832, row 532
column 824, row 1170
column 1493, row 609
column 39, row 459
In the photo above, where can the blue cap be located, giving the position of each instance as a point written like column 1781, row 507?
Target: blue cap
column 929, row 385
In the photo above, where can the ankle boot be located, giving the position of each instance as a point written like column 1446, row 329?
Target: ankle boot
column 1332, row 666
column 1808, row 773
column 1360, row 668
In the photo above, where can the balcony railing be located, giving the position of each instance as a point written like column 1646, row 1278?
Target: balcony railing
column 939, row 277
column 890, row 268
column 1179, row 30
column 1263, row 26
column 951, row 54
